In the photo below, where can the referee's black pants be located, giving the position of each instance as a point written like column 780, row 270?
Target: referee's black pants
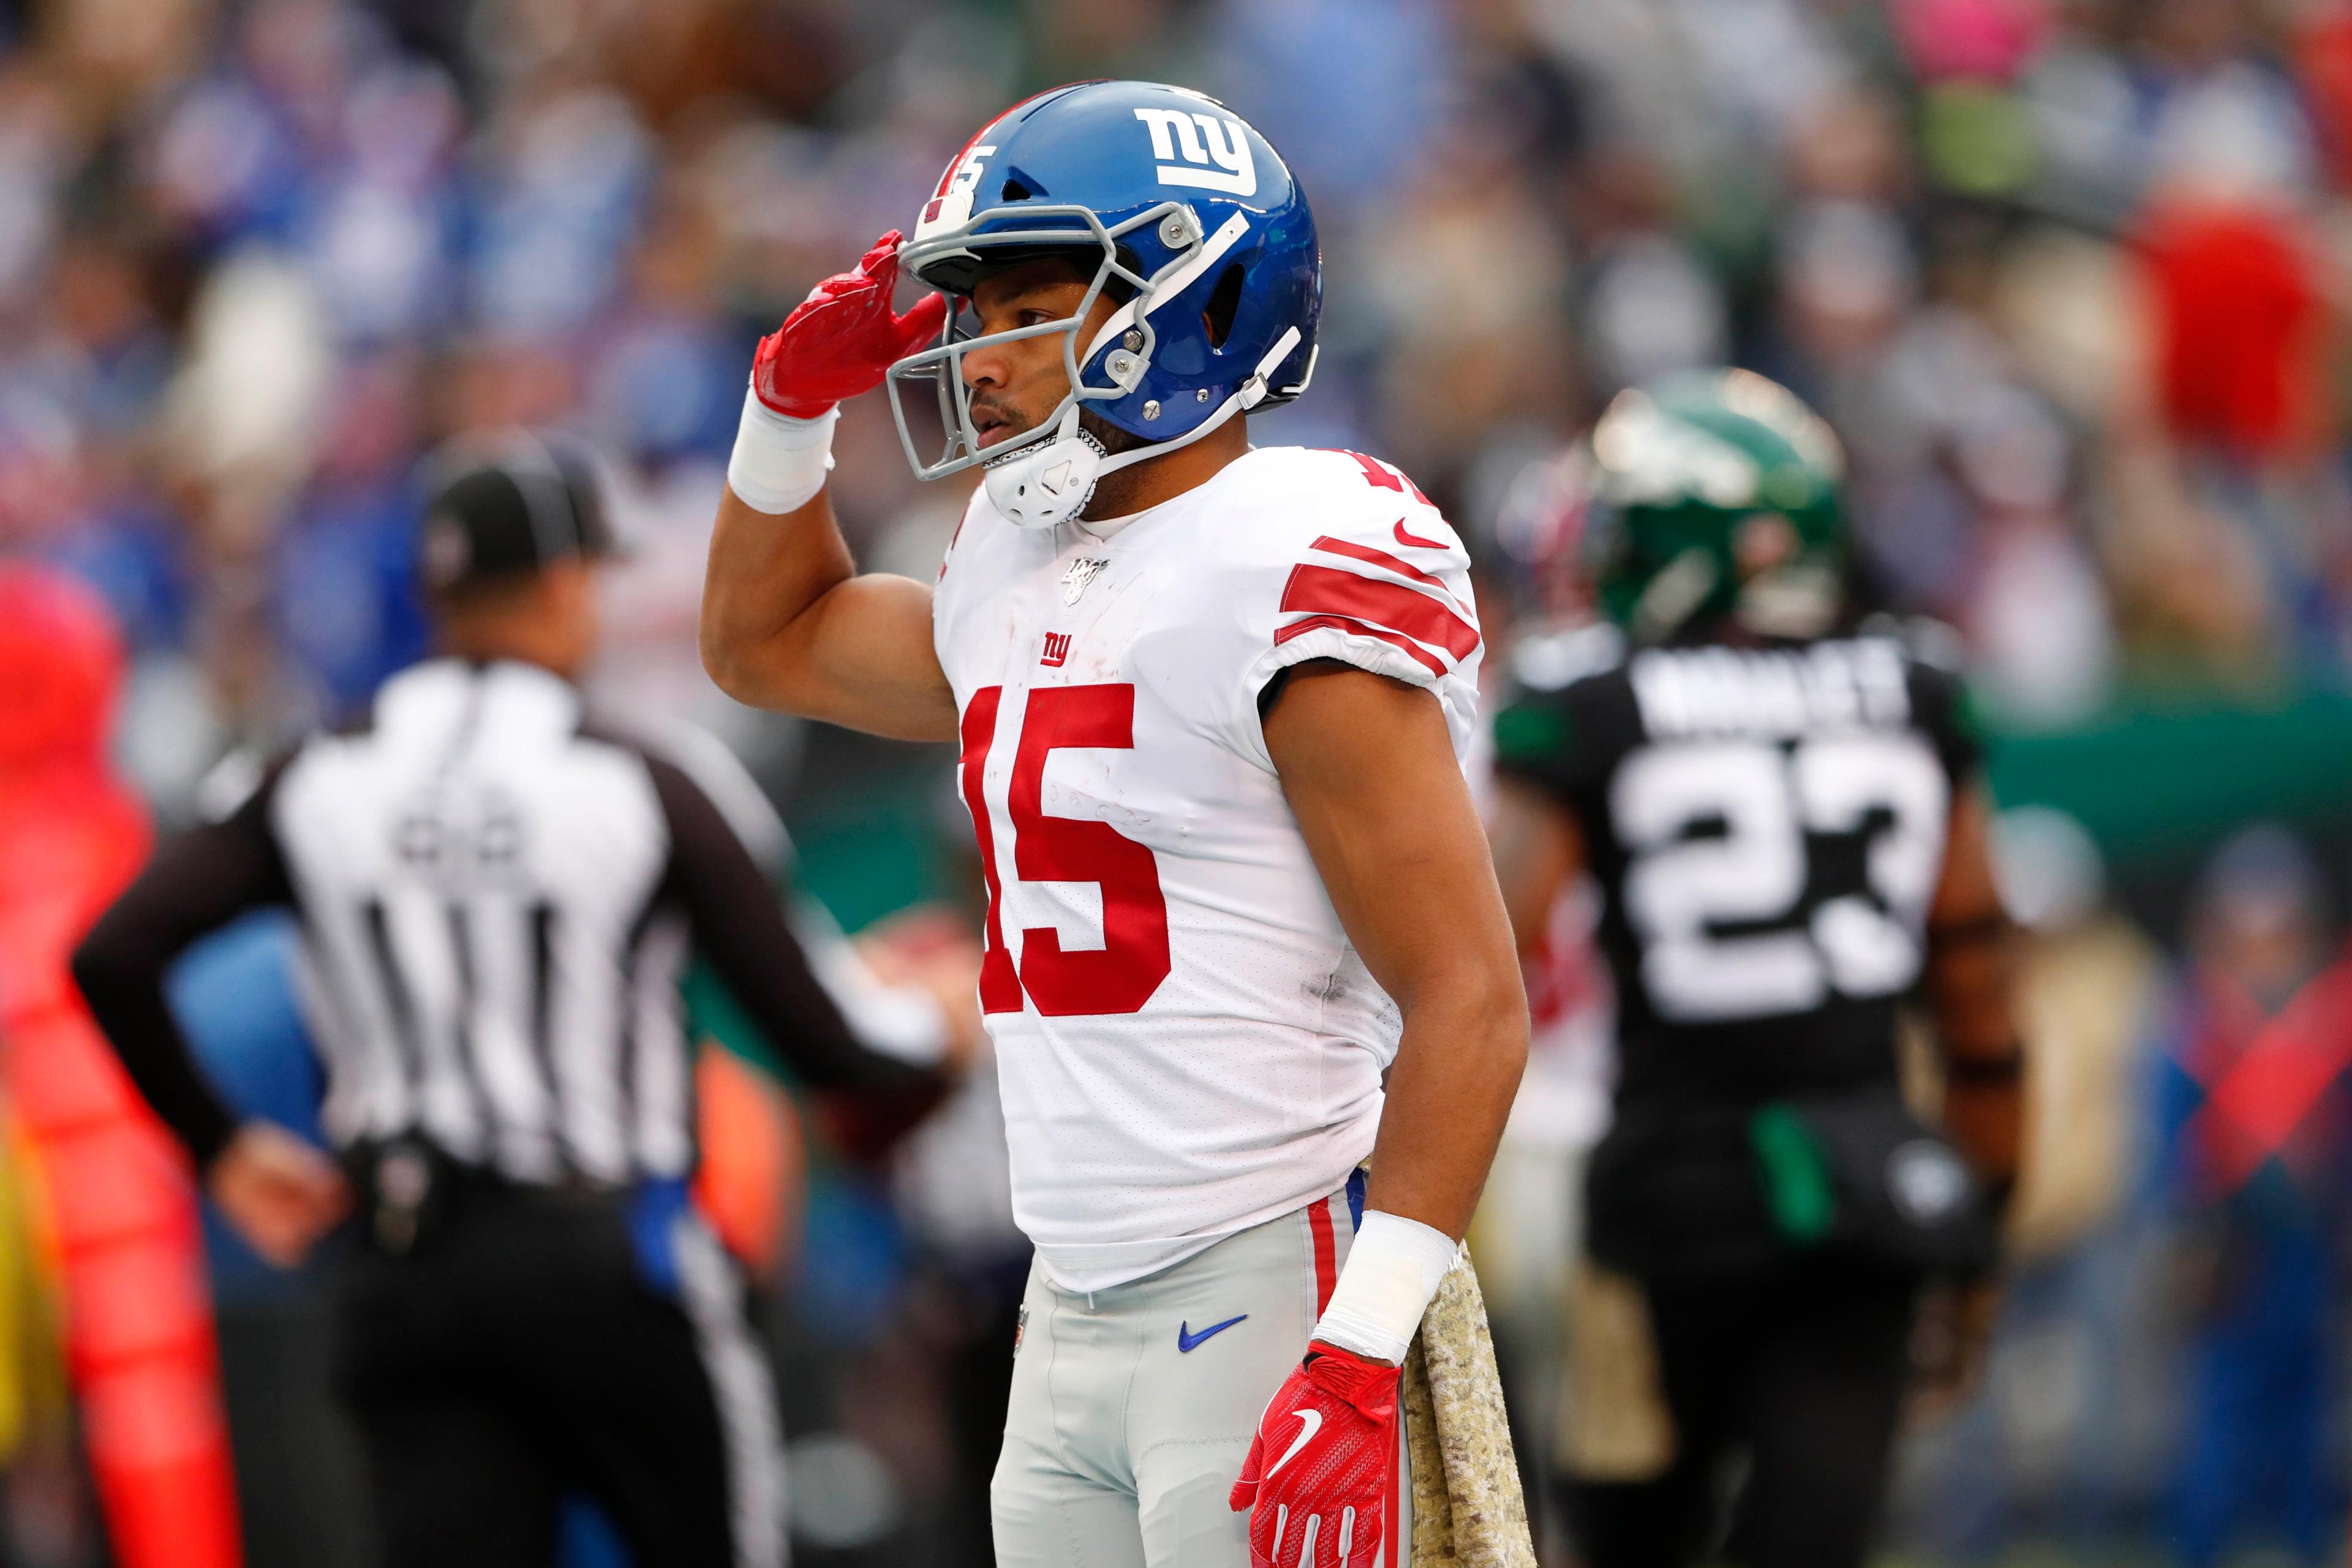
column 542, row 1343
column 1800, row 1370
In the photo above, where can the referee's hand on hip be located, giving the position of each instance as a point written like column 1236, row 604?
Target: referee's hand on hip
column 280, row 1194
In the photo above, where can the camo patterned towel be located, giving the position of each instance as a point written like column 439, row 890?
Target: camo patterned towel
column 1466, row 1507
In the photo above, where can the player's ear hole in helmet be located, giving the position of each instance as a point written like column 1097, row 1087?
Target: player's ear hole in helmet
column 1225, row 300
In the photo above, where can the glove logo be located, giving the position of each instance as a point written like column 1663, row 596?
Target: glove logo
column 1217, row 149
column 1313, row 1424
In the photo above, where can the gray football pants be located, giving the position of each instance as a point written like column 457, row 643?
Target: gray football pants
column 1132, row 1408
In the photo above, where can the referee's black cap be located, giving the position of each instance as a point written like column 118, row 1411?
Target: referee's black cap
column 509, row 506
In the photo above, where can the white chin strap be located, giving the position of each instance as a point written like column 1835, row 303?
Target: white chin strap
column 1052, row 482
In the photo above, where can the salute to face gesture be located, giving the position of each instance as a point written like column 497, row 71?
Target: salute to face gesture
column 1300, row 960
column 841, row 339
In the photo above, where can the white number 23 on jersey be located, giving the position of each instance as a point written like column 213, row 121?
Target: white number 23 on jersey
column 1681, row 885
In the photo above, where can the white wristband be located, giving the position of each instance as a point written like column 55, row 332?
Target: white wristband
column 779, row 463
column 1393, row 1268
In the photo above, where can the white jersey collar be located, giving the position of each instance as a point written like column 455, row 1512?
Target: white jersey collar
column 1105, row 529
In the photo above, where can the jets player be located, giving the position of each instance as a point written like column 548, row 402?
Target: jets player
column 1241, row 932
column 1786, row 823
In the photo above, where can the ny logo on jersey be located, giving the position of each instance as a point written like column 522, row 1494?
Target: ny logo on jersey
column 1081, row 573
column 1057, row 650
column 1215, row 151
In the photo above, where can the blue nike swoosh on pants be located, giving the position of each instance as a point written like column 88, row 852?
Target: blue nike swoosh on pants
column 1187, row 1342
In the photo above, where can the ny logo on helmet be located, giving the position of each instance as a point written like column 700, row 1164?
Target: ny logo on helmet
column 1217, row 149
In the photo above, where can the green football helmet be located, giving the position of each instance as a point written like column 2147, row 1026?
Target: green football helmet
column 1718, row 498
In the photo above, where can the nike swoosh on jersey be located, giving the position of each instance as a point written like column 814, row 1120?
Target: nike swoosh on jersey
column 1187, row 1342
column 1314, row 1419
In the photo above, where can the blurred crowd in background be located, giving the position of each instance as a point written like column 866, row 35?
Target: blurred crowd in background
column 2070, row 276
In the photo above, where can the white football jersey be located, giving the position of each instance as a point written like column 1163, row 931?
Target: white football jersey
column 1188, row 1043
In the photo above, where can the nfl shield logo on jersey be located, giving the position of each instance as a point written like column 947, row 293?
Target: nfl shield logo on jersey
column 1081, row 573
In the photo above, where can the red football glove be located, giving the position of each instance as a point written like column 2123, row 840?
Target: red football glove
column 1331, row 1430
column 842, row 339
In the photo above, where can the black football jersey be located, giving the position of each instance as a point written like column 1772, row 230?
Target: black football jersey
column 1767, row 828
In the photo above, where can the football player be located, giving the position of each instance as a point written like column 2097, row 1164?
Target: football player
column 1785, row 819
column 1241, row 932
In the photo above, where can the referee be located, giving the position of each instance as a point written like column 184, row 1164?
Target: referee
column 496, row 895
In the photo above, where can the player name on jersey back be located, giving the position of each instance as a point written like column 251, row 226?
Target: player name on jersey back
column 1188, row 1044
column 1770, row 692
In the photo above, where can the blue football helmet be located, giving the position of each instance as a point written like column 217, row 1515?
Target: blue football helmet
column 1173, row 200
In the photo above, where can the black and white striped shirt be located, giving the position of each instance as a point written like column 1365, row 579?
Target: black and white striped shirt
column 496, row 897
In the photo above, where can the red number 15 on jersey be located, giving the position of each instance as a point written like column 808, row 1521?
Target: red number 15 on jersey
column 1123, row 975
